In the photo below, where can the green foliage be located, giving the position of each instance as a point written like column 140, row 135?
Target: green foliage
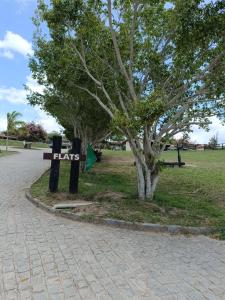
column 170, row 48
column 155, row 71
column 120, row 120
column 22, row 132
column 213, row 141
column 53, row 67
column 13, row 123
column 142, row 113
column 148, row 111
column 221, row 231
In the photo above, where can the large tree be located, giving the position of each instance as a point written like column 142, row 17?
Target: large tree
column 77, row 113
column 73, row 108
column 156, row 67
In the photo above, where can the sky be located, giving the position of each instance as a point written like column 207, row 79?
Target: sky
column 16, row 31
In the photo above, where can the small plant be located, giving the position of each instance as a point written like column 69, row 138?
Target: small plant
column 88, row 217
column 221, row 230
column 213, row 142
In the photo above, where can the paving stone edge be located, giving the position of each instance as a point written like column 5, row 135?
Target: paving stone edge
column 172, row 229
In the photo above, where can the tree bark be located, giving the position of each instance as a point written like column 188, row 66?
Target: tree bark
column 84, row 146
column 140, row 179
column 147, row 175
column 148, row 184
column 154, row 182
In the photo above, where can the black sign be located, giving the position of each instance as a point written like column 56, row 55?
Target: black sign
column 55, row 164
column 56, row 156
column 64, row 156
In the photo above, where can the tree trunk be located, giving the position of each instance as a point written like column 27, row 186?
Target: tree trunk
column 84, row 143
column 147, row 172
column 140, row 180
column 147, row 182
column 144, row 181
column 147, row 178
column 84, row 146
column 154, row 182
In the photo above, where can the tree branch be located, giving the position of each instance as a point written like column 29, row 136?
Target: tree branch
column 83, row 60
column 118, row 55
column 98, row 100
column 122, row 104
column 183, row 89
column 132, row 33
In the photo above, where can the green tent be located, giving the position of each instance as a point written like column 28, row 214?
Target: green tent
column 91, row 158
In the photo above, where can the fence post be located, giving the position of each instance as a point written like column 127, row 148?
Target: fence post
column 178, row 156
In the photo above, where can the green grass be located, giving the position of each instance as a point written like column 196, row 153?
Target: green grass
column 5, row 153
column 19, row 144
column 192, row 196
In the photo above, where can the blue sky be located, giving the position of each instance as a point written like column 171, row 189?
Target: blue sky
column 16, row 31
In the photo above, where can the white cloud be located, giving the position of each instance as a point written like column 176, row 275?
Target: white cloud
column 33, row 85
column 14, row 43
column 7, row 54
column 48, row 122
column 12, row 95
column 18, row 96
column 201, row 136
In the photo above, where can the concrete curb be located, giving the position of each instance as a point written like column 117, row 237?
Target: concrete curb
column 172, row 229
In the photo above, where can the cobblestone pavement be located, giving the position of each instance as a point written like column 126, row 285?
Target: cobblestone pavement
column 47, row 257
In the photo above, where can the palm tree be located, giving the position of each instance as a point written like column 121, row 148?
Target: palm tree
column 12, row 124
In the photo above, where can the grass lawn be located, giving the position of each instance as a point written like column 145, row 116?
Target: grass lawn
column 19, row 144
column 4, row 153
column 192, row 196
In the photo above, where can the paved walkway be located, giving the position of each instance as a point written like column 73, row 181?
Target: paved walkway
column 47, row 257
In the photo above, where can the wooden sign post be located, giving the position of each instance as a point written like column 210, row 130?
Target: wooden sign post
column 75, row 157
column 55, row 164
column 74, row 170
column 178, row 156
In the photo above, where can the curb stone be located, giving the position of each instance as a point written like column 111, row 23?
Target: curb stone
column 172, row 229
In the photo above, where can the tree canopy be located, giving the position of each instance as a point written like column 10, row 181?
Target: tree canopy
column 156, row 67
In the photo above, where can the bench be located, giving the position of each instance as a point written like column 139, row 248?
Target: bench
column 172, row 164
column 178, row 163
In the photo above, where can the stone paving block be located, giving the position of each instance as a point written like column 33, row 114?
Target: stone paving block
column 43, row 256
column 57, row 297
column 103, row 296
column 40, row 296
column 86, row 293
